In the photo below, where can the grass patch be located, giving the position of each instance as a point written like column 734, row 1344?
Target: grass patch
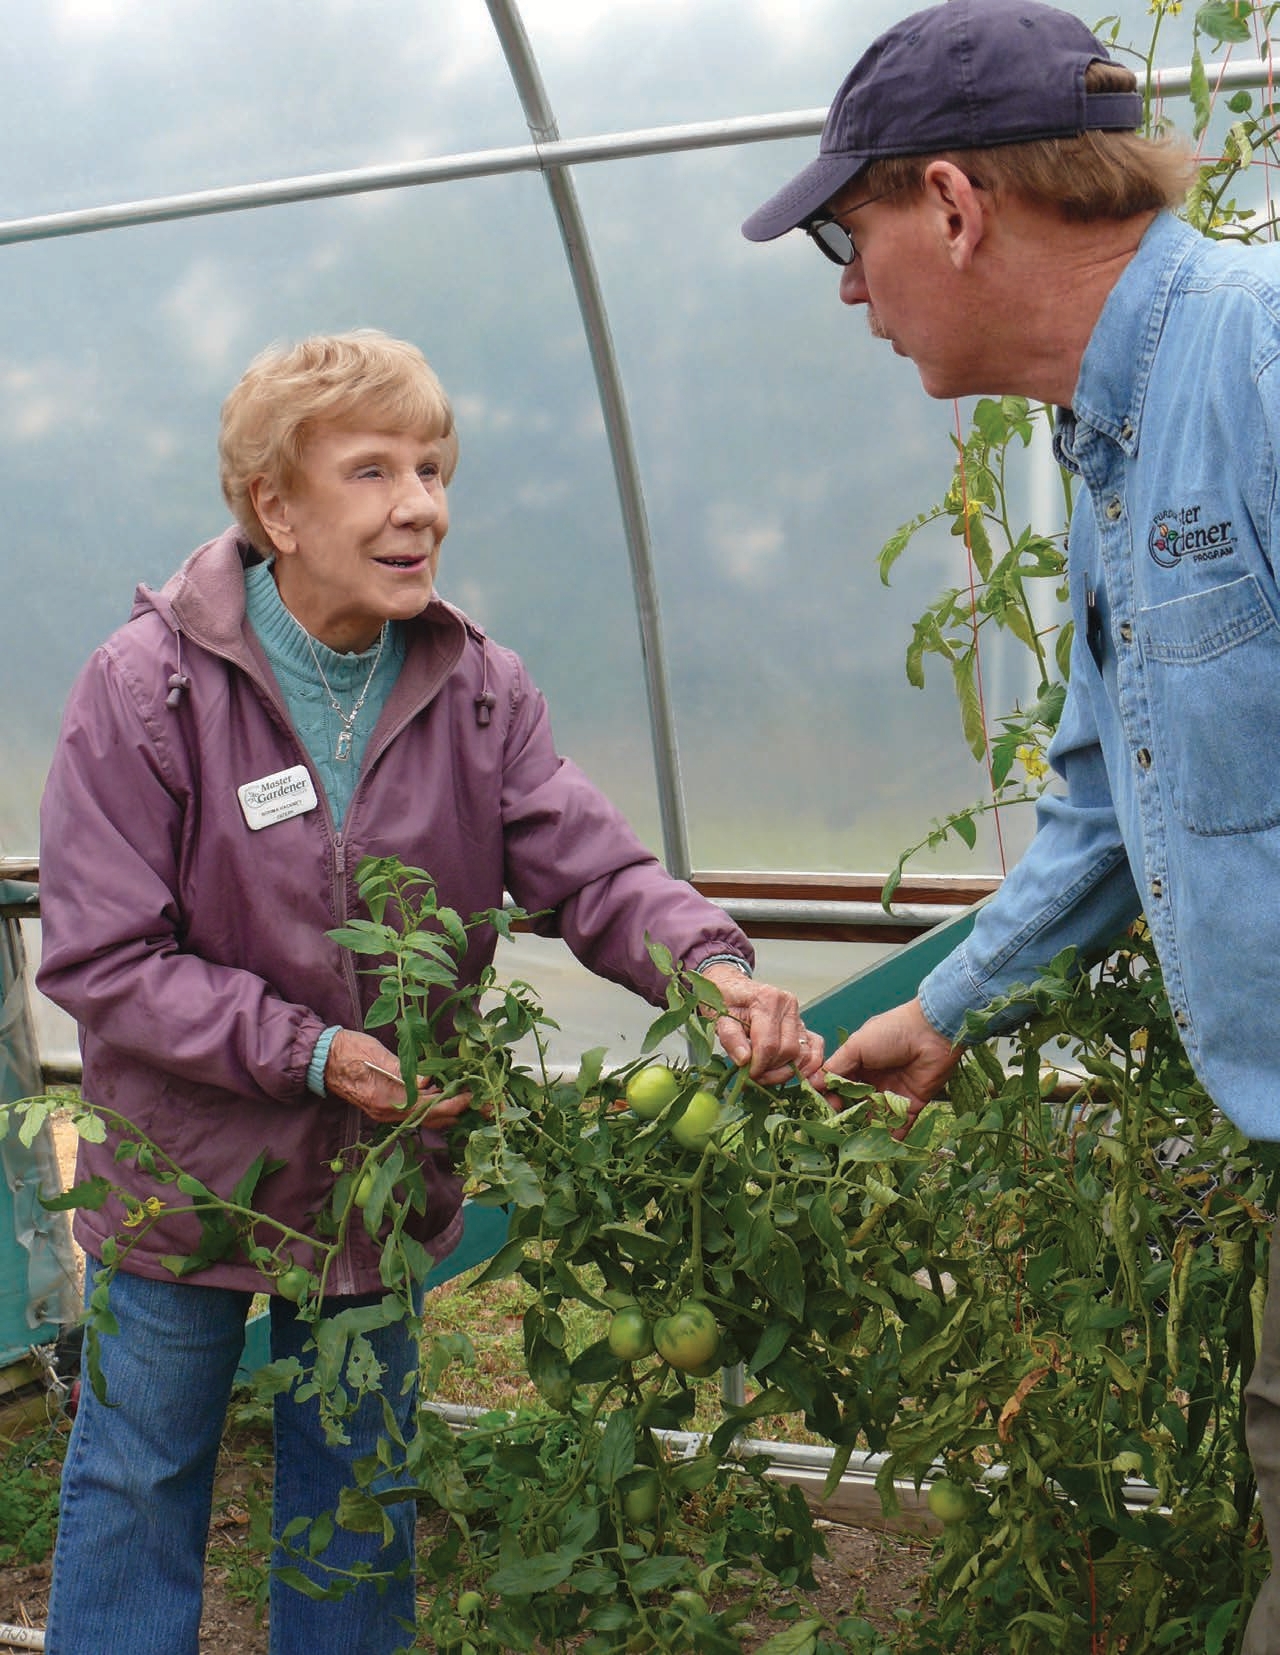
column 30, row 1470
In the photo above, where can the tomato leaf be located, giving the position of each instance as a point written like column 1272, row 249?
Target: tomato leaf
column 773, row 1341
column 617, row 1457
column 531, row 1575
column 91, row 1195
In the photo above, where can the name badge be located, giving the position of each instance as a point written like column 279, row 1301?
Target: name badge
column 277, row 798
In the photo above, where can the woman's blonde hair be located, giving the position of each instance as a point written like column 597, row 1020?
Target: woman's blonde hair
column 342, row 379
column 1093, row 175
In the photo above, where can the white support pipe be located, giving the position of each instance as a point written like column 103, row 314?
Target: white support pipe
column 760, row 910
column 486, row 163
column 21, row 1637
column 782, row 1456
column 1251, row 72
column 540, row 157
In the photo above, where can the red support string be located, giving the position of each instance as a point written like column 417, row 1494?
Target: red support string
column 1095, row 1635
column 1267, row 164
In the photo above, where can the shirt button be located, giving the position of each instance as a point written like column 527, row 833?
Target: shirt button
column 1157, row 888
column 1127, row 431
column 1126, row 632
column 1143, row 756
column 1114, row 508
column 1180, row 1018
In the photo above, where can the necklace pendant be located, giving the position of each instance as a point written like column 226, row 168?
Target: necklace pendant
column 343, row 749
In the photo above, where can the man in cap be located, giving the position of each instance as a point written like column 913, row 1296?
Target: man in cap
column 981, row 184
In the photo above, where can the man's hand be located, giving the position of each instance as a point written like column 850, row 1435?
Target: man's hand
column 360, row 1070
column 898, row 1051
column 761, row 1029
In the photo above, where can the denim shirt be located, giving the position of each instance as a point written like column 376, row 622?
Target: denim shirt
column 1167, row 748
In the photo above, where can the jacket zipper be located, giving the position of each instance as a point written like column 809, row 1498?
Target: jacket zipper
column 342, row 1278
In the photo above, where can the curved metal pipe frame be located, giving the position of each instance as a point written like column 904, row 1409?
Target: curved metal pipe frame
column 635, row 522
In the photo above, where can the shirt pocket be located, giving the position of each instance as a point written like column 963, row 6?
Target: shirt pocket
column 1213, row 660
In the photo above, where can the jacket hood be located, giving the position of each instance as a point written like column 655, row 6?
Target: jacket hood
column 205, row 597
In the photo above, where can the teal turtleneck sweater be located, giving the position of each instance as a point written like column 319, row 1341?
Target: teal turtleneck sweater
column 319, row 728
column 290, row 654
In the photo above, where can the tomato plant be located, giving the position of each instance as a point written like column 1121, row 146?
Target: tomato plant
column 630, row 1336
column 292, row 1283
column 641, row 1495
column 694, row 1127
column 949, row 1501
column 1029, row 1287
column 651, row 1089
column 689, row 1338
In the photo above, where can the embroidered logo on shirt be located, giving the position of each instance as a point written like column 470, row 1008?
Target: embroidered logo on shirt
column 1180, row 533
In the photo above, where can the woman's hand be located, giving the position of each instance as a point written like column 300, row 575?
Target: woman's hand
column 361, row 1071
column 762, row 1030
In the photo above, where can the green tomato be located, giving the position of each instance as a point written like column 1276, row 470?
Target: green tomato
column 689, row 1339
column 469, row 1605
column 630, row 1336
column 364, row 1189
column 641, row 1493
column 292, row 1283
column 950, row 1502
column 694, row 1128
column 650, row 1090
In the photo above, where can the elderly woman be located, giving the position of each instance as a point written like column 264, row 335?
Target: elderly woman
column 297, row 697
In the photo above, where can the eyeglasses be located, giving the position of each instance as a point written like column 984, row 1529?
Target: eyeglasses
column 835, row 240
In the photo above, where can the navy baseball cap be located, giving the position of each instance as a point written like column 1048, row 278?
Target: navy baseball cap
column 967, row 74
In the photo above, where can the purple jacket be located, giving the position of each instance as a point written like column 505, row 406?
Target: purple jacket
column 192, row 950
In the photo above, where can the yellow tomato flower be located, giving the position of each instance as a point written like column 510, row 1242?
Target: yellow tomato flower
column 1033, row 761
column 137, row 1211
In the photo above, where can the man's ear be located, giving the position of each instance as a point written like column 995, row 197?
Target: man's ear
column 958, row 205
column 273, row 514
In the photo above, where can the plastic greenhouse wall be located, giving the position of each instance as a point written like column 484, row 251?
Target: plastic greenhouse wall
column 37, row 1272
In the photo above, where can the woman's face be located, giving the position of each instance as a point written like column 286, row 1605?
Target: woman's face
column 358, row 532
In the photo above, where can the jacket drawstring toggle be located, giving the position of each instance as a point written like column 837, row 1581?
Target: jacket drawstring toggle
column 178, row 681
column 486, row 701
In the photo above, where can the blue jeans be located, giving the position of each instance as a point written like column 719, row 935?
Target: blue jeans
column 137, row 1485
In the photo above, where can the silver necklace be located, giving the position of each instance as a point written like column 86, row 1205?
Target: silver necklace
column 347, row 720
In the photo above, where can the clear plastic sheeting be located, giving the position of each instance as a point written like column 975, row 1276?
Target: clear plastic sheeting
column 777, row 445
column 37, row 1268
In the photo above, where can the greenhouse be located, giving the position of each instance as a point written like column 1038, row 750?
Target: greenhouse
column 801, row 616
